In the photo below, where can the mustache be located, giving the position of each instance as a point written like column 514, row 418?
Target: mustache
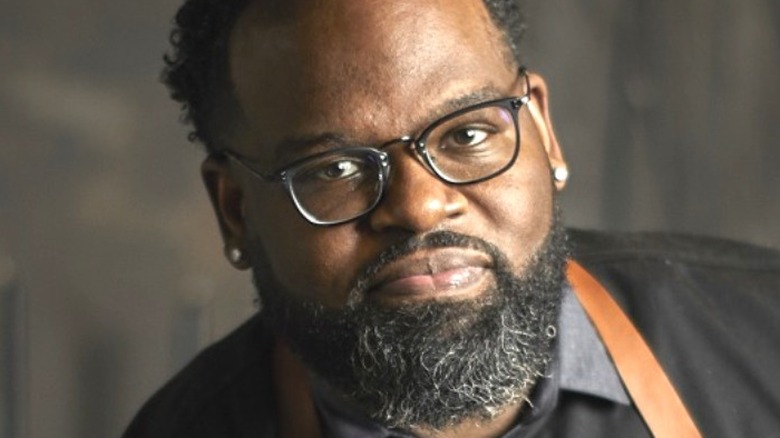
column 435, row 239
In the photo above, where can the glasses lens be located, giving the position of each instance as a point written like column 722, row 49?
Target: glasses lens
column 338, row 186
column 473, row 145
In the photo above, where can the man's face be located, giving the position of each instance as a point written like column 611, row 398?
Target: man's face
column 364, row 73
column 368, row 72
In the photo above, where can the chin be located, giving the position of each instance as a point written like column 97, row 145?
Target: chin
column 433, row 361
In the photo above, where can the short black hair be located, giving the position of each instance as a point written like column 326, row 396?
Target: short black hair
column 197, row 72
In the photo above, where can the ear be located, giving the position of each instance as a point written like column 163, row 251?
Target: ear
column 540, row 112
column 227, row 198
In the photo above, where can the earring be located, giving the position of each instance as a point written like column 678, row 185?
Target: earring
column 560, row 174
column 235, row 256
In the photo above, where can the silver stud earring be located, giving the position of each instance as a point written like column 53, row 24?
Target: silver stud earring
column 234, row 255
column 561, row 174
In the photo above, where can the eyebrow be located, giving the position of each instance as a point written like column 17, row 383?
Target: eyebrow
column 292, row 146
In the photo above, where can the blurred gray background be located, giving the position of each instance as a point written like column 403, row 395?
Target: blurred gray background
column 111, row 273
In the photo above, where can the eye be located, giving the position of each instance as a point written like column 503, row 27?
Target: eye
column 466, row 136
column 339, row 170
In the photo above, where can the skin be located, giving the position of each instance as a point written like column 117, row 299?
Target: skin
column 371, row 71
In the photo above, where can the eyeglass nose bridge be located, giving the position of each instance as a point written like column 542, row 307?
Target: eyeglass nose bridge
column 420, row 152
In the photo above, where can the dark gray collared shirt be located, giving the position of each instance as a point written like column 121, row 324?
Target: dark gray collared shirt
column 581, row 365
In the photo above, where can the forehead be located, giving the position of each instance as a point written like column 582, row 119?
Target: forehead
column 353, row 67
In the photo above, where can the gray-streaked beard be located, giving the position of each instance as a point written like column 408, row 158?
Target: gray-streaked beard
column 433, row 364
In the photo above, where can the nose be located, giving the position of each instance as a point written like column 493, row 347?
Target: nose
column 415, row 199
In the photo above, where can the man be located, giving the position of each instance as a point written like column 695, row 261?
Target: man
column 388, row 171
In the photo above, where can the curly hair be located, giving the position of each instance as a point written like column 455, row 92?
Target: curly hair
column 197, row 73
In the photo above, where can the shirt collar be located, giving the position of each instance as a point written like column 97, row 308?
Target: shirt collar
column 582, row 365
column 585, row 365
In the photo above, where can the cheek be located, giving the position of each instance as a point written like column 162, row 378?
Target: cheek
column 310, row 262
column 518, row 204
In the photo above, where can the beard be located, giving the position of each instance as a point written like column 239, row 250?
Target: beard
column 434, row 364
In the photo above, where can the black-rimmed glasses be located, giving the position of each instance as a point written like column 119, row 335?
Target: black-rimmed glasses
column 467, row 146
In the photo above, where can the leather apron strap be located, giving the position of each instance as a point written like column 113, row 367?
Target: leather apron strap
column 296, row 416
column 653, row 394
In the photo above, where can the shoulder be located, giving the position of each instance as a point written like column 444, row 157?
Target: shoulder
column 664, row 278
column 645, row 269
column 710, row 310
column 225, row 391
column 602, row 248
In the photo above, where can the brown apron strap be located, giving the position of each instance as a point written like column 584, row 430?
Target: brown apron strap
column 297, row 414
column 652, row 392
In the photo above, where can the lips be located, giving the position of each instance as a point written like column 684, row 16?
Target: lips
column 434, row 273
